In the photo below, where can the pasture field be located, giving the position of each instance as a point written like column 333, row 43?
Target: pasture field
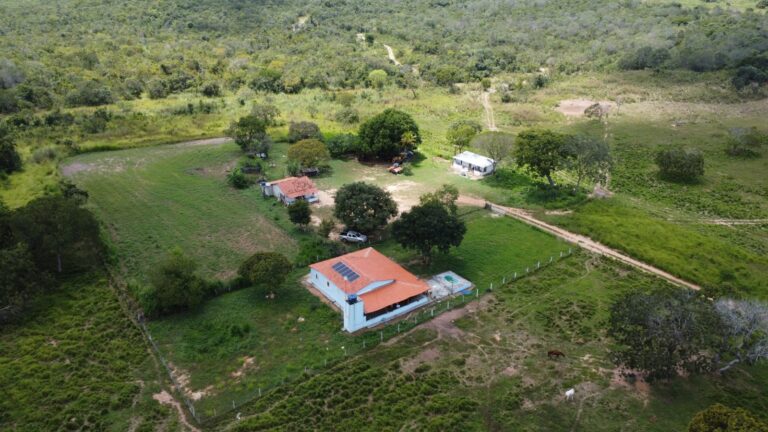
column 154, row 199
column 77, row 363
column 239, row 342
column 485, row 368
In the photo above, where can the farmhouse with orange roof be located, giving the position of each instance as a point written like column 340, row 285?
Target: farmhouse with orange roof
column 368, row 287
column 290, row 189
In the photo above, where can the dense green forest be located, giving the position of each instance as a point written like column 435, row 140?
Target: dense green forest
column 96, row 52
column 134, row 135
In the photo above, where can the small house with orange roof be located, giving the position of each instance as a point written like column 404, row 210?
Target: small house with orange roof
column 368, row 287
column 290, row 189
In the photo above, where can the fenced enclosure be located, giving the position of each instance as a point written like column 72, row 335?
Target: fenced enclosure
column 227, row 399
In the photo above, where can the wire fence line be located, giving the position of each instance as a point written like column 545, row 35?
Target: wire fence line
column 222, row 409
column 373, row 337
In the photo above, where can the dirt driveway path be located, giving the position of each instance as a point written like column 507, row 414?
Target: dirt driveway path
column 578, row 239
column 485, row 99
column 391, row 55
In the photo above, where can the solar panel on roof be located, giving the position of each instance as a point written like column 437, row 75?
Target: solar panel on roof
column 345, row 271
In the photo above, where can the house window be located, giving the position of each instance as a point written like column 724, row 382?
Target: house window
column 327, row 283
column 315, row 275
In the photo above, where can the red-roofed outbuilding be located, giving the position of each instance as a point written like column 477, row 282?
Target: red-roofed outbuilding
column 291, row 189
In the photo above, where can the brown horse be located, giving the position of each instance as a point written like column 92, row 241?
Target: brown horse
column 553, row 354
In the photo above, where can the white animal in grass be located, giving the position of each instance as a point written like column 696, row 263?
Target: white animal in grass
column 569, row 394
column 237, row 417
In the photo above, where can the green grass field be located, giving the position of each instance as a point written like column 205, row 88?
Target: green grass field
column 488, row 370
column 240, row 342
column 154, row 199
column 77, row 363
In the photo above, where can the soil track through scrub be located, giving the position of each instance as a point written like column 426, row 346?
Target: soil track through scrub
column 578, row 239
column 485, row 99
column 391, row 55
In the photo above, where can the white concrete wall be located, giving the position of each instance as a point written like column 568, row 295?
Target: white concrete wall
column 354, row 315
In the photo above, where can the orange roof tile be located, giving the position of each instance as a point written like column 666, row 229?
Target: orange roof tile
column 372, row 267
column 294, row 187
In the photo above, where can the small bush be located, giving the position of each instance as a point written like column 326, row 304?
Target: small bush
column 298, row 131
column 211, row 90
column 44, row 155
column 347, row 115
column 237, row 179
column 680, row 164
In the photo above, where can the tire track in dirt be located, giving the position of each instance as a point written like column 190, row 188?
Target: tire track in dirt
column 485, row 99
column 578, row 239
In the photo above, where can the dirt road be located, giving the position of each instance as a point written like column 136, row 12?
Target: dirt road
column 485, row 99
column 391, row 55
column 578, row 239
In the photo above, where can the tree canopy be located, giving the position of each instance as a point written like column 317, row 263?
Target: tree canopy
column 10, row 160
column 382, row 135
column 680, row 164
column 264, row 269
column 309, row 153
column 664, row 331
column 303, row 130
column 588, row 158
column 720, row 418
column 428, row 227
column 300, row 213
column 364, row 207
column 61, row 235
column 250, row 133
column 541, row 151
column 460, row 134
column 496, row 145
column 174, row 285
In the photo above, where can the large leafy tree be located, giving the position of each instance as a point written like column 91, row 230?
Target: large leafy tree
column 587, row 157
column 10, row 160
column 429, row 227
column 541, row 151
column 664, row 331
column 382, row 135
column 364, row 207
column 460, row 134
column 265, row 269
column 309, row 153
column 61, row 235
column 744, row 330
column 174, row 285
column 250, row 133
column 720, row 418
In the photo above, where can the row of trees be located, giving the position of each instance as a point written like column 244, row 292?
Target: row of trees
column 431, row 226
column 667, row 331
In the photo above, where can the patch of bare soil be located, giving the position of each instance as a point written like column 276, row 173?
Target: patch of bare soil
column 558, row 212
column 203, row 142
column 428, row 355
column 326, row 197
column 74, row 168
column 183, row 379
column 247, row 364
column 165, row 398
column 402, row 194
column 576, row 107
column 632, row 380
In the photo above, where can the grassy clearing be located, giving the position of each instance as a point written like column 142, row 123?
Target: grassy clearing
column 152, row 200
column 76, row 363
column 239, row 342
column 494, row 375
